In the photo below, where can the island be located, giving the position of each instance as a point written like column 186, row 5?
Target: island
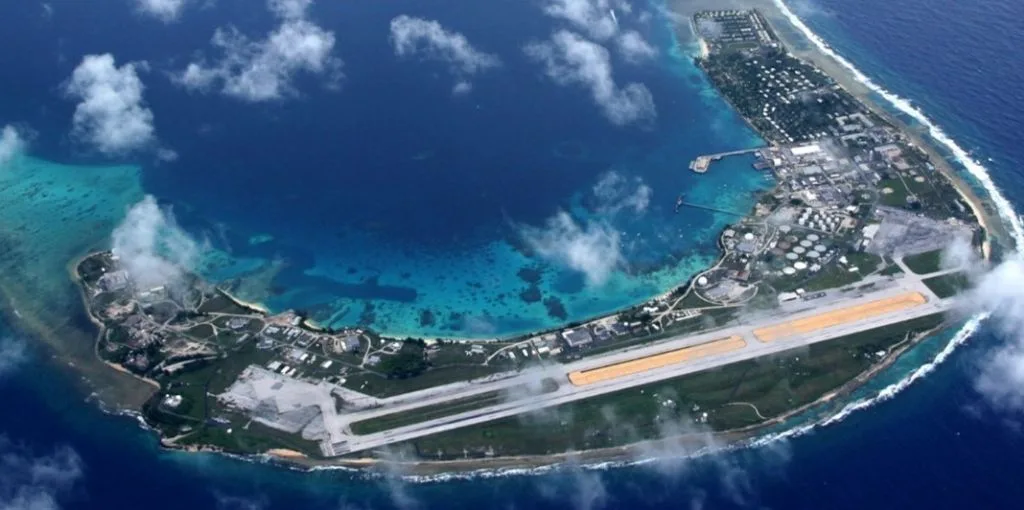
column 836, row 272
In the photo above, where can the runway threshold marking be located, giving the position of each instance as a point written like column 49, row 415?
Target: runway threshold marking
column 638, row 365
column 839, row 317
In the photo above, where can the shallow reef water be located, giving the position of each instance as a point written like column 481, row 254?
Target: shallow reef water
column 388, row 201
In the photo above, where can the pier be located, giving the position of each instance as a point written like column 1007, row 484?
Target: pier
column 683, row 203
column 701, row 164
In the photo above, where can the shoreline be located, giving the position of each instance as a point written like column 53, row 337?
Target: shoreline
column 636, row 452
column 622, row 452
column 100, row 328
column 628, row 452
column 805, row 48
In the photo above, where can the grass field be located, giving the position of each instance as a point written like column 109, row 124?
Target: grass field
column 948, row 285
column 461, row 405
column 898, row 197
column 380, row 386
column 241, row 435
column 772, row 385
column 924, row 263
column 692, row 300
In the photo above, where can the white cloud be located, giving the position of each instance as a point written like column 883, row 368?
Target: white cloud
column 998, row 293
column 568, row 58
column 30, row 482
column 592, row 249
column 163, row 10
column 428, row 39
column 11, row 144
column 289, row 9
column 462, row 87
column 264, row 70
column 1000, row 378
column 111, row 114
column 12, row 354
column 709, row 29
column 634, row 48
column 152, row 247
column 229, row 502
column 614, row 192
column 591, row 16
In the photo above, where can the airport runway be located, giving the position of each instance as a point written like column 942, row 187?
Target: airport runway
column 902, row 300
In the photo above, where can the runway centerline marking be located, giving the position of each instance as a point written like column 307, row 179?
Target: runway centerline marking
column 647, row 363
column 839, row 317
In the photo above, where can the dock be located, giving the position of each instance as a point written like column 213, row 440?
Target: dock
column 701, row 164
column 683, row 203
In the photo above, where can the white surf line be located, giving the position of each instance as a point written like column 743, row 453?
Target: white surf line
column 886, row 393
column 976, row 169
column 711, row 448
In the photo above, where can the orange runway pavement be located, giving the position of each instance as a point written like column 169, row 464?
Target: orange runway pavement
column 635, row 366
column 839, row 317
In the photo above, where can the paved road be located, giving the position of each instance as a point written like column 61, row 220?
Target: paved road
column 568, row 393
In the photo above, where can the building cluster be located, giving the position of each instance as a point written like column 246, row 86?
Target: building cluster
column 729, row 28
column 847, row 179
column 133, row 315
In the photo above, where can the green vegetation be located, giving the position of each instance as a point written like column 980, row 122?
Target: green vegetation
column 421, row 414
column 773, row 385
column 380, row 386
column 200, row 331
column 866, row 262
column 221, row 304
column 241, row 435
column 710, row 318
column 692, row 300
column 410, row 361
column 834, row 275
column 898, row 197
column 924, row 263
column 890, row 270
column 948, row 285
column 199, row 380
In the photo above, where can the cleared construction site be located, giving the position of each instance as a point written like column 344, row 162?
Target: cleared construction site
column 635, row 366
column 839, row 317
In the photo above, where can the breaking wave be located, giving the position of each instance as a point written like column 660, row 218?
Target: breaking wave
column 1003, row 207
column 973, row 167
column 976, row 169
column 887, row 393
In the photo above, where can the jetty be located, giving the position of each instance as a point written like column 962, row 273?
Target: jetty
column 701, row 164
column 684, row 203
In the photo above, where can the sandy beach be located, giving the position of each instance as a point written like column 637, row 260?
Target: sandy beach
column 246, row 304
column 805, row 49
column 808, row 51
column 842, row 75
column 284, row 453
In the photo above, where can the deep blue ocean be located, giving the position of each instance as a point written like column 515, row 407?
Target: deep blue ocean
column 937, row 444
column 382, row 198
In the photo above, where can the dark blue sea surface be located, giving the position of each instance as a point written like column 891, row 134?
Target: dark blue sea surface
column 937, row 444
column 386, row 197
